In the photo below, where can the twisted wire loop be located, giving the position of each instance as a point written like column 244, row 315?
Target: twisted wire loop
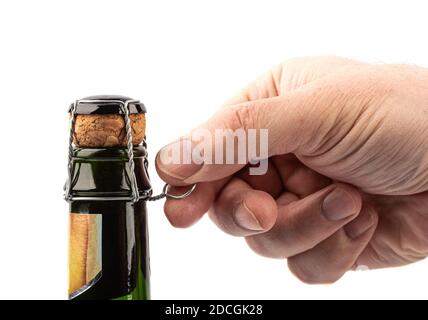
column 70, row 151
column 130, row 151
column 166, row 194
column 157, row 197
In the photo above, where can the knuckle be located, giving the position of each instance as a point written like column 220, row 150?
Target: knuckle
column 242, row 117
column 223, row 220
column 413, row 242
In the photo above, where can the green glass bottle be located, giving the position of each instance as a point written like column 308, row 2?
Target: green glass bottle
column 109, row 256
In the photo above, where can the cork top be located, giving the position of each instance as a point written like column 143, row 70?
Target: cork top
column 107, row 104
column 100, row 121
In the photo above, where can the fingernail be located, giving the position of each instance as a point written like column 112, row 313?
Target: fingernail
column 246, row 219
column 360, row 225
column 178, row 159
column 338, row 205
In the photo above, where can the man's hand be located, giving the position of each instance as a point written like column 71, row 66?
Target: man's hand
column 347, row 183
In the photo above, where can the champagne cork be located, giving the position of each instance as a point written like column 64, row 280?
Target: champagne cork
column 98, row 128
column 95, row 130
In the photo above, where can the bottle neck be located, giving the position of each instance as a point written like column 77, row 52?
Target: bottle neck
column 105, row 173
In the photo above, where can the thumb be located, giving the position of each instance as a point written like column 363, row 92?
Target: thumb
column 243, row 133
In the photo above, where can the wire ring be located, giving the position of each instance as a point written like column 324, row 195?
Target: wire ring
column 181, row 196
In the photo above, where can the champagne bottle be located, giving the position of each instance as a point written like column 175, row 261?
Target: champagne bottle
column 107, row 188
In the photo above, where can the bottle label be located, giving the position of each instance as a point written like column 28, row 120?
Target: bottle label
column 85, row 255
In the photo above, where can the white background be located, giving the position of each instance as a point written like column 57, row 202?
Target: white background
column 182, row 59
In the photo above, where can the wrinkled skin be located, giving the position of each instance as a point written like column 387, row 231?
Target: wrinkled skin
column 350, row 132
